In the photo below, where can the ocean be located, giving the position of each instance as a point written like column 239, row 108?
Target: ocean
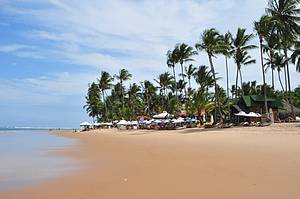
column 25, row 157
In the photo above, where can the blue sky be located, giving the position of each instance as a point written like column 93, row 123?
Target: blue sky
column 51, row 49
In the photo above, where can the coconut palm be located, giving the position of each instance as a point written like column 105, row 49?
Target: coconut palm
column 227, row 52
column 204, row 78
column 241, row 58
column 134, row 96
column 104, row 83
column 211, row 43
column 165, row 81
column 123, row 76
column 184, row 54
column 180, row 87
column 93, row 103
column 296, row 56
column 190, row 70
column 286, row 14
column 240, row 45
column 149, row 92
column 279, row 62
column 262, row 28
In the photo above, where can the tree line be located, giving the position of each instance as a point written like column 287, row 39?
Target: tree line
column 278, row 31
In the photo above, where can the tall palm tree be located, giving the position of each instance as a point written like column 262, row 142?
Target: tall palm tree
column 104, row 83
column 279, row 62
column 286, row 14
column 241, row 58
column 211, row 43
column 262, row 29
column 296, row 56
column 123, row 76
column 240, row 45
column 134, row 95
column 184, row 54
column 149, row 95
column 93, row 104
column 165, row 82
column 172, row 59
column 204, row 78
column 190, row 70
column 227, row 52
column 181, row 86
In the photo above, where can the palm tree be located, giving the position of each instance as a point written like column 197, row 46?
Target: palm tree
column 286, row 14
column 93, row 104
column 165, row 82
column 123, row 76
column 149, row 95
column 240, row 47
column 262, row 29
column 271, row 44
column 184, row 53
column 204, row 78
column 242, row 58
column 211, row 43
column 227, row 52
column 279, row 62
column 104, row 83
column 296, row 56
column 134, row 96
column 180, row 85
column 190, row 72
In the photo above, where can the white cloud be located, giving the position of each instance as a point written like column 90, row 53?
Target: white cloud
column 14, row 48
column 129, row 33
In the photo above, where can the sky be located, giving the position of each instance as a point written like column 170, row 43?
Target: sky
column 50, row 50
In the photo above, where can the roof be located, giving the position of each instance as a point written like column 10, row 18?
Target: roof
column 251, row 100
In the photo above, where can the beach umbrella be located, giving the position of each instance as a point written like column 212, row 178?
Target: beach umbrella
column 147, row 122
column 252, row 114
column 85, row 124
column 157, row 121
column 162, row 115
column 123, row 122
column 241, row 113
column 134, row 122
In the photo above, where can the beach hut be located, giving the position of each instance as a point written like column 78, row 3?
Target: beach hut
column 255, row 104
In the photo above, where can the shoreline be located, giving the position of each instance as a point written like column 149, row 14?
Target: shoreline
column 252, row 162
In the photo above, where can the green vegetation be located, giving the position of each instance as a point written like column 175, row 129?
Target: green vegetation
column 278, row 31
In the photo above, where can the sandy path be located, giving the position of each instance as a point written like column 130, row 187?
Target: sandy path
column 233, row 163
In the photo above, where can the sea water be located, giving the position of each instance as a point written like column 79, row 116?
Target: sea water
column 25, row 157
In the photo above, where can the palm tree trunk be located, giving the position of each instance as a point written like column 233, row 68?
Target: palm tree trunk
column 174, row 74
column 241, row 81
column 104, row 104
column 183, row 79
column 217, row 105
column 236, row 82
column 227, row 76
column 289, row 82
column 280, row 80
column 273, row 82
column 264, row 77
column 285, row 78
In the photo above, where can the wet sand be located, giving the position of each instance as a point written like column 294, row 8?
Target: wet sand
column 230, row 163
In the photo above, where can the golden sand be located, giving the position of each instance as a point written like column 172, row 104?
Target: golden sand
column 235, row 163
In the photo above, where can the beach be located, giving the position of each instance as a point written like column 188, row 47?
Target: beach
column 253, row 162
